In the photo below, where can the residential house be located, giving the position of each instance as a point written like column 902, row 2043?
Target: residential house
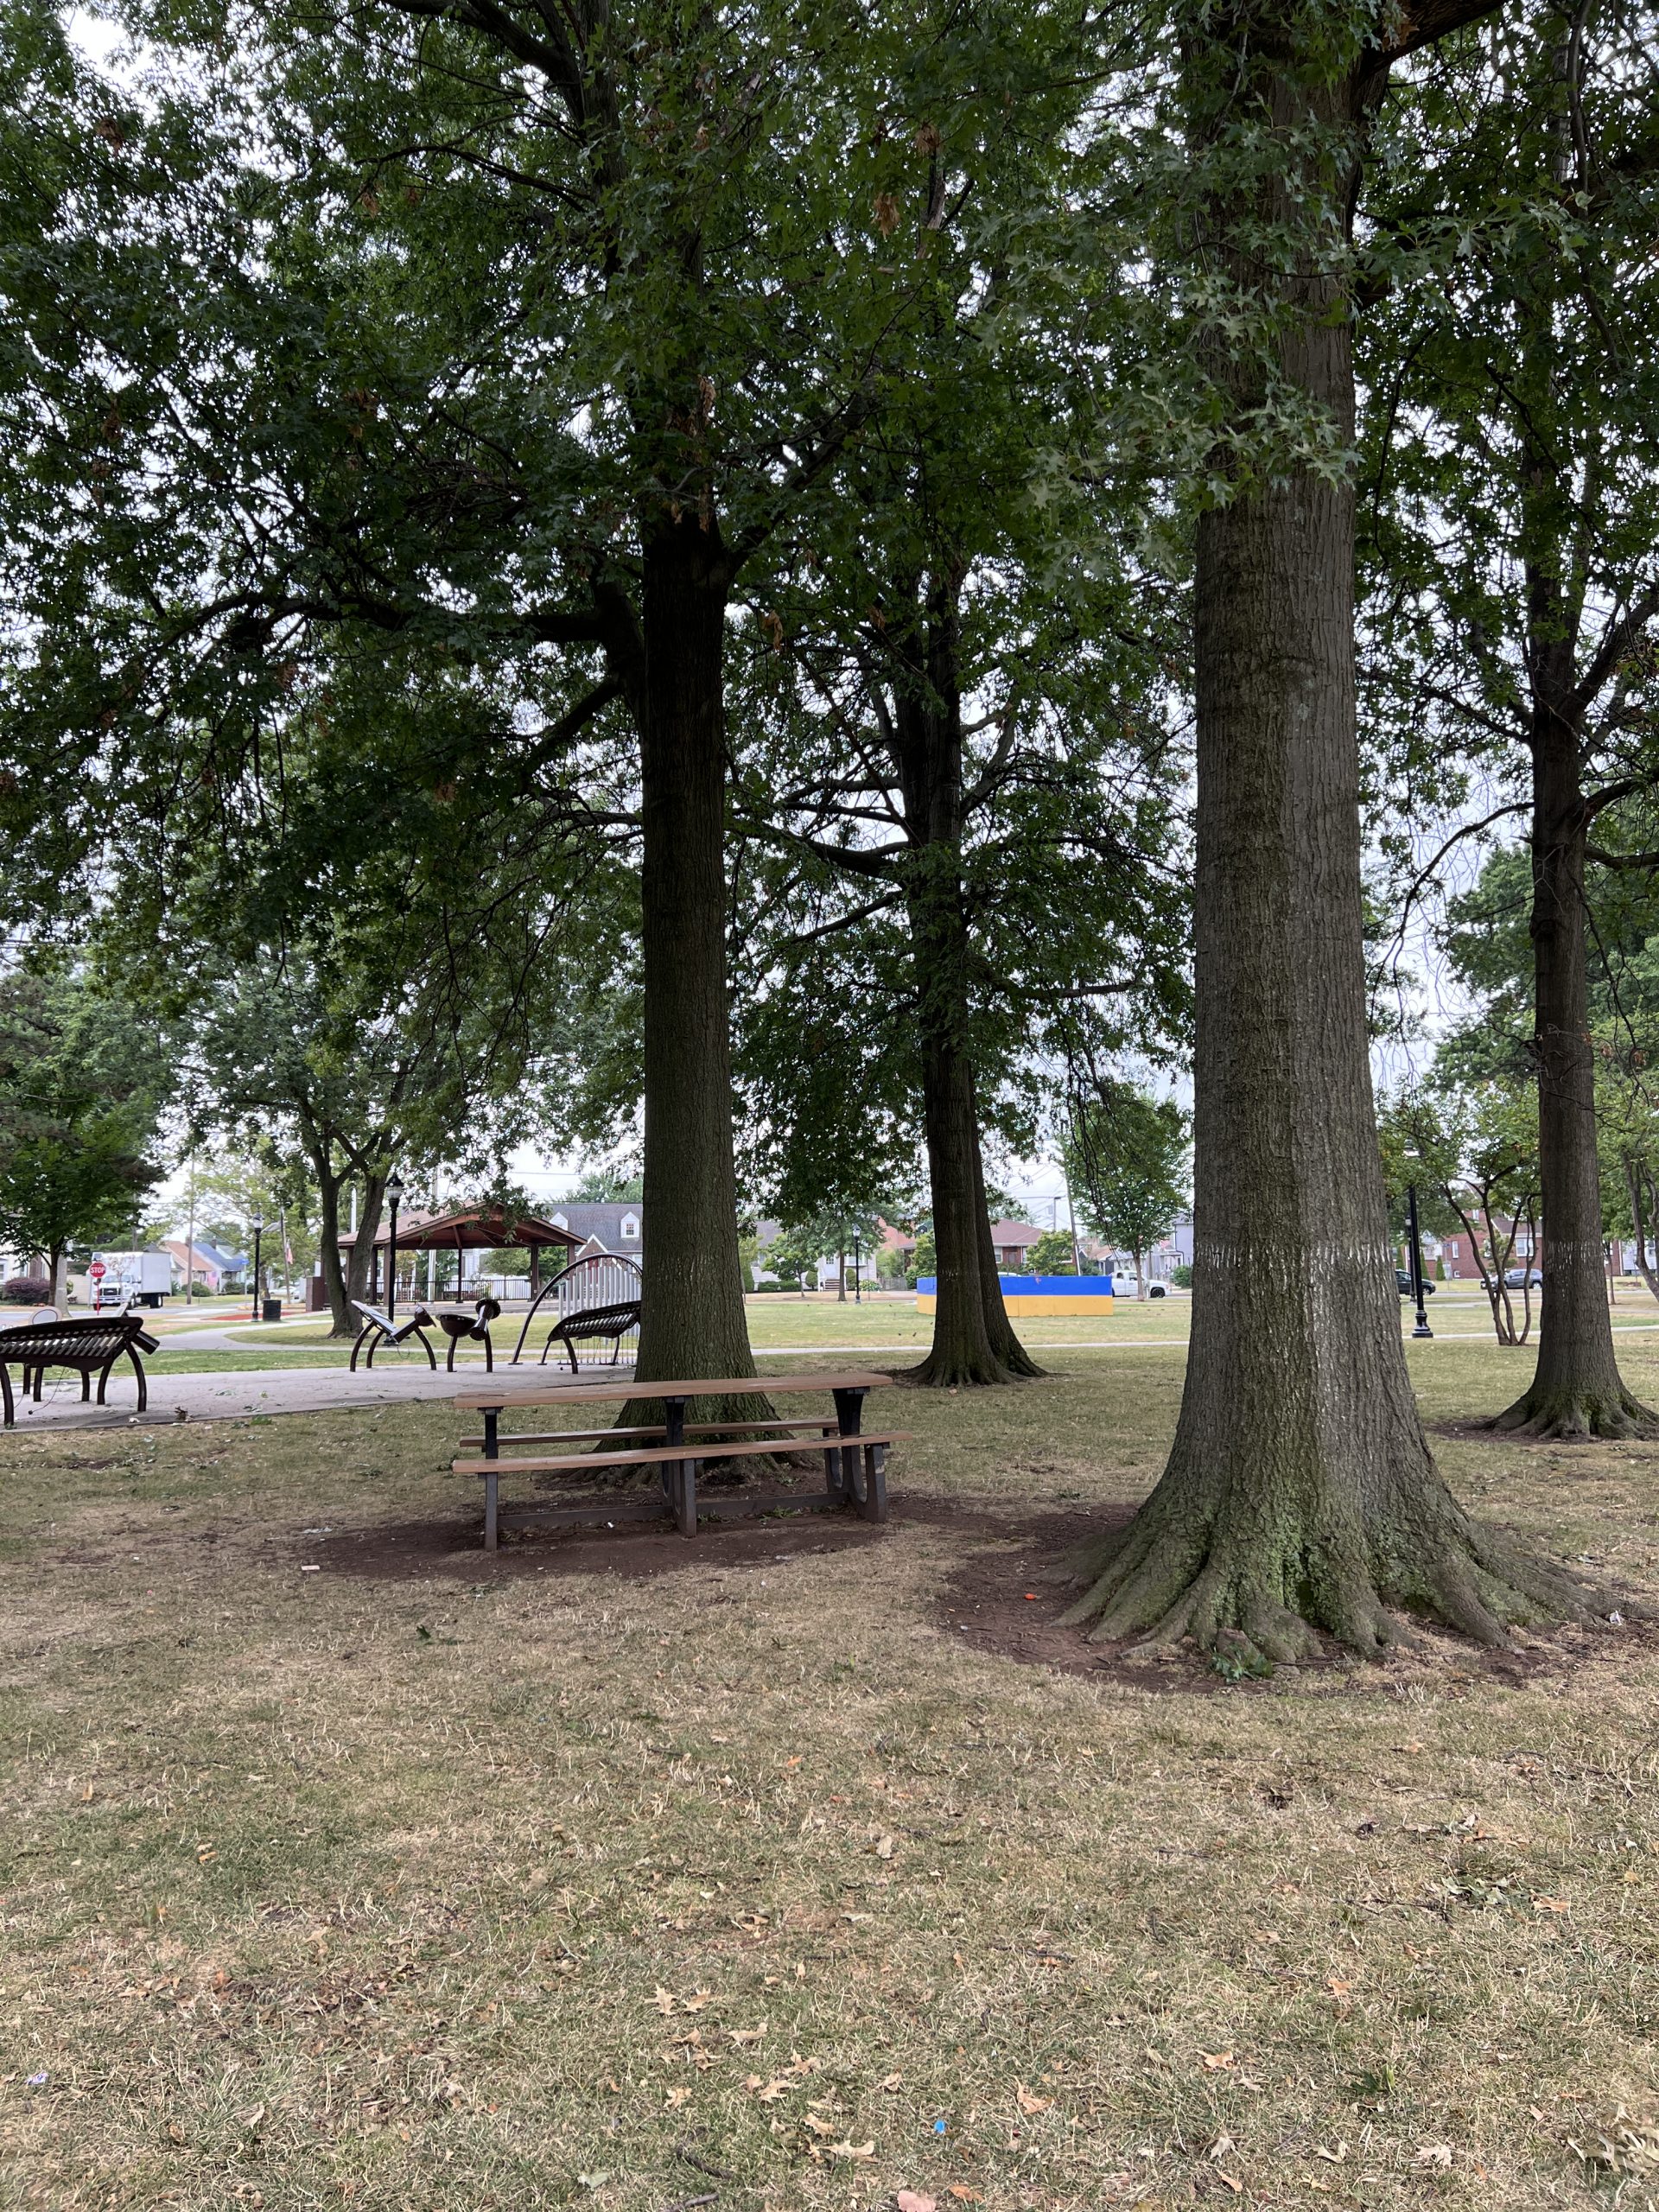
column 1458, row 1252
column 619, row 1223
column 1013, row 1240
column 203, row 1263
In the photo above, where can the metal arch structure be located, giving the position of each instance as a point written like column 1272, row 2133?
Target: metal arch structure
column 600, row 1279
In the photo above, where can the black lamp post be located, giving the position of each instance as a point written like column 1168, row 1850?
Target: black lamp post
column 858, row 1272
column 1422, row 1328
column 257, row 1225
column 394, row 1191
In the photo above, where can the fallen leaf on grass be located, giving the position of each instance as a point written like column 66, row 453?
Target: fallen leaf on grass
column 697, row 1999
column 1216, row 2062
column 664, row 1999
column 1231, row 2181
column 964, row 2195
column 747, row 2035
column 1222, row 2146
column 911, row 2199
column 1337, row 1986
column 853, row 2150
column 1549, row 1904
column 1028, row 2102
column 1335, row 2156
column 678, row 2097
column 883, row 1846
column 1432, row 2158
column 891, row 2081
column 767, row 2092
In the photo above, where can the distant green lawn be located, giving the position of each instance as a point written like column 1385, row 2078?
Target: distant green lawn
column 818, row 1324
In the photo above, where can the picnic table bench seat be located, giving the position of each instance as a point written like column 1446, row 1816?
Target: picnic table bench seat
column 90, row 1346
column 855, row 1459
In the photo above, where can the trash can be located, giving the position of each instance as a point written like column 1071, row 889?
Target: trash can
column 271, row 1310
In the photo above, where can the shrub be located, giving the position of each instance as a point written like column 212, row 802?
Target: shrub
column 1181, row 1276
column 26, row 1290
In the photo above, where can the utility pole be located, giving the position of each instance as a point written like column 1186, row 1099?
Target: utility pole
column 1071, row 1216
column 190, row 1239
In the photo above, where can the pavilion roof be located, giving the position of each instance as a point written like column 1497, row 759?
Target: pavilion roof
column 473, row 1229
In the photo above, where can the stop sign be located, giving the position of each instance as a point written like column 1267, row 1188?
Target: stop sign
column 98, row 1271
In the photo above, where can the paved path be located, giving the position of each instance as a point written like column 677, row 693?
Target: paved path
column 235, row 1397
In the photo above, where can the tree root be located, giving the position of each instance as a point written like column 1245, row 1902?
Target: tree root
column 1257, row 1606
column 1577, row 1416
column 942, row 1372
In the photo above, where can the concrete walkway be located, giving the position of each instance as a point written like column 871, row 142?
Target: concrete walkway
column 275, row 1390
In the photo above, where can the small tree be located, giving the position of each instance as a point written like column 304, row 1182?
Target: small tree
column 1052, row 1255
column 1478, row 1163
column 1128, row 1154
column 80, row 1079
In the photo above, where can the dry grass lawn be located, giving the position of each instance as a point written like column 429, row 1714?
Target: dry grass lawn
column 742, row 1873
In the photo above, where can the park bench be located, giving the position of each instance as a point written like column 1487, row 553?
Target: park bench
column 90, row 1346
column 465, row 1324
column 597, row 1323
column 379, row 1329
column 855, row 1460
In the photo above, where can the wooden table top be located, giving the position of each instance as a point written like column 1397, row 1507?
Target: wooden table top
column 479, row 1397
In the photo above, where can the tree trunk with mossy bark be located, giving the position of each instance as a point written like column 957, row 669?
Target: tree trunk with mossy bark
column 1300, row 1495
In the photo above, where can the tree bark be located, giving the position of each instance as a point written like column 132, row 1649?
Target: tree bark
column 974, row 1341
column 1577, row 1391
column 1633, row 1184
column 692, row 1321
column 361, row 1268
column 1299, row 1494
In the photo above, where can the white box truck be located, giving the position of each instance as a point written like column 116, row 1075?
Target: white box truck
column 132, row 1279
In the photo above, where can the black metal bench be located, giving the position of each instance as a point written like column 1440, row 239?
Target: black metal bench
column 596, row 1322
column 379, row 1329
column 90, row 1346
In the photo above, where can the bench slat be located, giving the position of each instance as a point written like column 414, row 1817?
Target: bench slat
column 692, row 1428
column 740, row 1386
column 660, row 1455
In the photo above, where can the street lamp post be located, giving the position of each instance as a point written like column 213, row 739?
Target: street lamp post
column 257, row 1225
column 1422, row 1328
column 394, row 1191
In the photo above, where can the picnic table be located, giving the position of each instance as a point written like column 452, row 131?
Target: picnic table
column 855, row 1460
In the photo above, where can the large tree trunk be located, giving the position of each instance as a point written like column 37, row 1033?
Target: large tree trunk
column 973, row 1340
column 1299, row 1493
column 361, row 1267
column 329, row 1182
column 1576, row 1390
column 692, row 1321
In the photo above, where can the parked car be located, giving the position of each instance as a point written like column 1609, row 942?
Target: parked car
column 1520, row 1278
column 1402, row 1276
column 1124, row 1285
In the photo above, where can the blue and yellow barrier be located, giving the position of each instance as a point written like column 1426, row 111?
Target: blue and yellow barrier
column 1066, row 1295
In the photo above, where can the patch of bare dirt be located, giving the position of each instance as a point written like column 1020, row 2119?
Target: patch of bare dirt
column 405, row 1550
